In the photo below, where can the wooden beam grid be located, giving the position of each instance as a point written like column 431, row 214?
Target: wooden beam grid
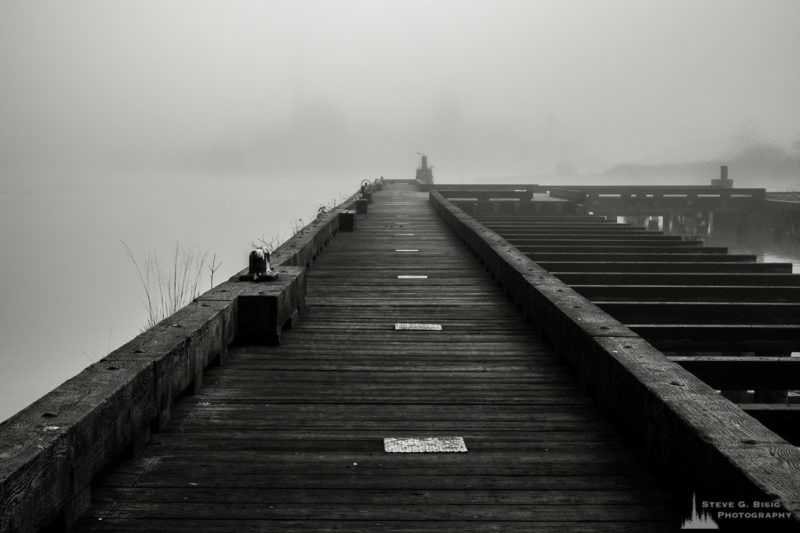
column 679, row 295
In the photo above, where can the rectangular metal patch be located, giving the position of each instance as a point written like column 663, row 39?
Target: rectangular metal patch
column 424, row 445
column 406, row 250
column 403, row 234
column 417, row 327
column 411, row 276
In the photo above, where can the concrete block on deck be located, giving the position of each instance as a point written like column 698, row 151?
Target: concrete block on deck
column 361, row 206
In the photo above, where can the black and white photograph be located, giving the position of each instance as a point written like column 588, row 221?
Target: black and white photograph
column 399, row 266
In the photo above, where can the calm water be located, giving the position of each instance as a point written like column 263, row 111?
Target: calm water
column 68, row 292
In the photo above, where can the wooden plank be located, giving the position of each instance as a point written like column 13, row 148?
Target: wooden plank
column 644, row 257
column 192, row 525
column 618, row 236
column 741, row 372
column 678, row 312
column 720, row 293
column 634, row 247
column 612, row 242
column 743, row 265
column 325, row 496
column 600, row 231
column 517, row 513
column 673, row 278
column 721, row 338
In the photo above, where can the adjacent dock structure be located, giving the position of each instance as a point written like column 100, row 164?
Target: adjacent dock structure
column 559, row 371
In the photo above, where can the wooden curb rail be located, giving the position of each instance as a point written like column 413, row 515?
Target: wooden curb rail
column 679, row 425
column 51, row 450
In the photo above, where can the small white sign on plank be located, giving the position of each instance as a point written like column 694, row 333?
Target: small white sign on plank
column 403, row 234
column 411, row 276
column 417, row 327
column 406, row 250
column 424, row 445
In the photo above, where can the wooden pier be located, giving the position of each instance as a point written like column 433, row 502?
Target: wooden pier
column 291, row 437
column 562, row 347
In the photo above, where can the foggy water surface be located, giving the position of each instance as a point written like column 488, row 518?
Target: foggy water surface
column 68, row 292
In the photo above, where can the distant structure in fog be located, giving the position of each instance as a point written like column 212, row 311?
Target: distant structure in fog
column 424, row 172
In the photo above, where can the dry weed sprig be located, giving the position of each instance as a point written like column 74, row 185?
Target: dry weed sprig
column 166, row 290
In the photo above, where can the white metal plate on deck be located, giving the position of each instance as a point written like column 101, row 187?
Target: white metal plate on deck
column 406, row 250
column 411, row 276
column 403, row 234
column 417, row 327
column 424, row 445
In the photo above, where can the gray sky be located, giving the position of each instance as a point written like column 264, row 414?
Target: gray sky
column 510, row 87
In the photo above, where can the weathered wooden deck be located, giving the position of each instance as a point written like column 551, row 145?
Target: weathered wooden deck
column 289, row 437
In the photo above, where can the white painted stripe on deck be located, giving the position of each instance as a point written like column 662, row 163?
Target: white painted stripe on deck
column 411, row 276
column 406, row 250
column 424, row 445
column 417, row 327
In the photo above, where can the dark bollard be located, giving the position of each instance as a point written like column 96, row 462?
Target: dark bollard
column 366, row 191
column 258, row 267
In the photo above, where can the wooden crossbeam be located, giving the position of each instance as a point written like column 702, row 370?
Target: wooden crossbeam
column 611, row 242
column 563, row 235
column 524, row 218
column 744, row 371
column 690, row 293
column 644, row 257
column 502, row 226
column 625, row 249
column 670, row 278
column 702, row 312
column 721, row 338
column 598, row 230
column 560, row 263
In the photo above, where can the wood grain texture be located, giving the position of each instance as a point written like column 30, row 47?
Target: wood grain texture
column 289, row 437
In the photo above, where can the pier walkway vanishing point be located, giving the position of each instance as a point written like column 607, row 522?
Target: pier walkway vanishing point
column 443, row 358
column 290, row 437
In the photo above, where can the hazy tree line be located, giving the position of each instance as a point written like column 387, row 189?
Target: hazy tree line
column 752, row 161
